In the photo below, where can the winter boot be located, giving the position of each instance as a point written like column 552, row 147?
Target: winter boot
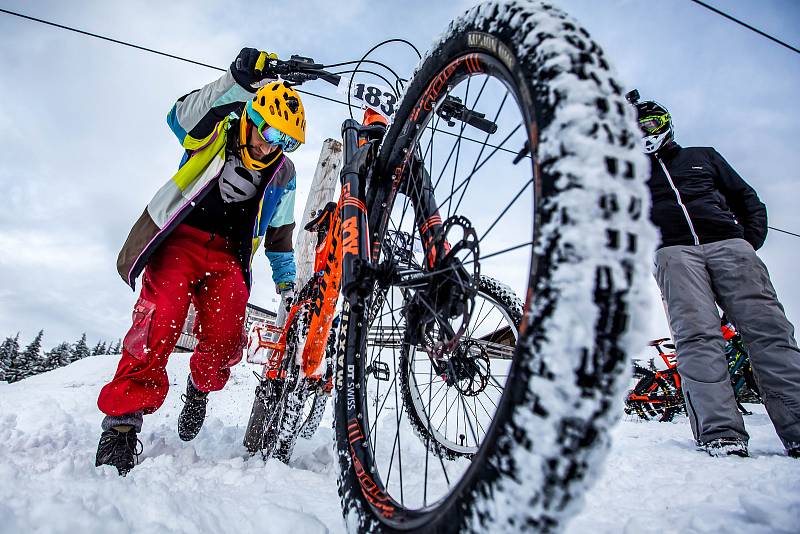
column 194, row 412
column 726, row 447
column 119, row 447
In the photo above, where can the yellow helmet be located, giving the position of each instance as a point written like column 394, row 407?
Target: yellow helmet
column 277, row 113
column 279, row 106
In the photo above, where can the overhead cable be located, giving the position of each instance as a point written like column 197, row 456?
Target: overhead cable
column 180, row 58
column 143, row 48
column 749, row 27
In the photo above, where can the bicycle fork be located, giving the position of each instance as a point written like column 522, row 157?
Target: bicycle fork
column 357, row 270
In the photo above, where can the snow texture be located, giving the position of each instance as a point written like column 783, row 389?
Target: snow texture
column 653, row 480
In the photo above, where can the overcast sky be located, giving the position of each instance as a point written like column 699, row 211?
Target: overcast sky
column 85, row 143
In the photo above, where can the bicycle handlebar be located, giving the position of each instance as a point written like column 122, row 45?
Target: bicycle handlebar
column 299, row 69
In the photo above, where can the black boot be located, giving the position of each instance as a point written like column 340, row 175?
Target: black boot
column 194, row 412
column 726, row 447
column 119, row 447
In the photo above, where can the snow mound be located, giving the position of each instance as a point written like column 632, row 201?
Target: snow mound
column 653, row 479
column 49, row 427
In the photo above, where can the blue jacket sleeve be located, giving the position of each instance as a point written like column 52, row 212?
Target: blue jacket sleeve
column 283, row 266
column 278, row 238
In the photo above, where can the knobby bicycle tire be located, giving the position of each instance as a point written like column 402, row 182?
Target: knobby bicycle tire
column 277, row 409
column 592, row 246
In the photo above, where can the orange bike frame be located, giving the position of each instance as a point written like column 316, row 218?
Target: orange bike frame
column 342, row 238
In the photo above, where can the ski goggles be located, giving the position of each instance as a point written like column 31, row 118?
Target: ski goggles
column 271, row 134
column 653, row 123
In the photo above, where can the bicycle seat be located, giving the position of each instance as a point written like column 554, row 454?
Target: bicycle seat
column 321, row 217
column 657, row 342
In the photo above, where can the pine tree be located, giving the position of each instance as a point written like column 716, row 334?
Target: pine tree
column 9, row 351
column 80, row 350
column 9, row 356
column 100, row 348
column 29, row 360
column 59, row 356
column 117, row 348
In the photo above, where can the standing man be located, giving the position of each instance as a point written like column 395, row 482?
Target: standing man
column 195, row 241
column 711, row 224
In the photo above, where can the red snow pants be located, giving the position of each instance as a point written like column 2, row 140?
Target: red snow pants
column 190, row 266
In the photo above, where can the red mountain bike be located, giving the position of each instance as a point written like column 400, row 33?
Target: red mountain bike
column 658, row 394
column 511, row 152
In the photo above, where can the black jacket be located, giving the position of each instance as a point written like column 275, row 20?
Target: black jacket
column 701, row 199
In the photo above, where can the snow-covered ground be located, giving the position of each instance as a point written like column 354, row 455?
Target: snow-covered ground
column 654, row 480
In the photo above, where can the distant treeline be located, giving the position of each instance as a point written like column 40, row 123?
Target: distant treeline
column 16, row 365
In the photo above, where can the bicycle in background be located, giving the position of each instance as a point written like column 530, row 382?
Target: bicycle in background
column 657, row 394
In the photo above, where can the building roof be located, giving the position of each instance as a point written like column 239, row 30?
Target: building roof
column 261, row 310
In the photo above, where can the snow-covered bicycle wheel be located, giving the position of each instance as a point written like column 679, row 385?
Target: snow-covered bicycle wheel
column 313, row 410
column 278, row 403
column 558, row 139
column 469, row 396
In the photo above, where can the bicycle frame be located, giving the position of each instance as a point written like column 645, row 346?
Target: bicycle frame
column 342, row 256
column 736, row 360
column 671, row 373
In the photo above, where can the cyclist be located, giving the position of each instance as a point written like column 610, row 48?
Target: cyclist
column 711, row 224
column 234, row 188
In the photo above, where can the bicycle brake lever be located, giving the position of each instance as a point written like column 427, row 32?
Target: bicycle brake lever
column 302, row 62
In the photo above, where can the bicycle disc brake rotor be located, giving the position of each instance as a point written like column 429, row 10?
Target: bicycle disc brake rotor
column 441, row 311
column 468, row 369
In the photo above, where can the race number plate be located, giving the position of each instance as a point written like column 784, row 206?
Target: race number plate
column 378, row 98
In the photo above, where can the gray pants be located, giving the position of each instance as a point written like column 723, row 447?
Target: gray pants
column 693, row 280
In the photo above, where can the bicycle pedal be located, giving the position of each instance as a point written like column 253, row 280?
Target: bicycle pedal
column 379, row 370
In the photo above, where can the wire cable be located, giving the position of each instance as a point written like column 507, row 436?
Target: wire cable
column 117, row 41
column 384, row 65
column 784, row 231
column 145, row 49
column 358, row 63
column 365, row 56
column 364, row 71
column 737, row 21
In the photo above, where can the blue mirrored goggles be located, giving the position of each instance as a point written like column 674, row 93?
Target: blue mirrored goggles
column 276, row 137
column 270, row 134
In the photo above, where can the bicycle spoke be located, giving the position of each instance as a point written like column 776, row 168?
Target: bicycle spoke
column 508, row 207
column 458, row 151
column 504, row 251
column 471, row 140
column 483, row 147
column 469, row 177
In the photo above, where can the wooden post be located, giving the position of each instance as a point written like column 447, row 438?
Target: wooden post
column 322, row 191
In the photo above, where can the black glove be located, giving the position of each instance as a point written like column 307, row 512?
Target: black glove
column 248, row 66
